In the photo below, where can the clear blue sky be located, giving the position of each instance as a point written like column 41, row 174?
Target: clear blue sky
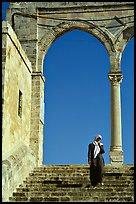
column 77, row 98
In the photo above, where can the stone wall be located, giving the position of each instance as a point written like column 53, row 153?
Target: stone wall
column 17, row 157
column 16, row 78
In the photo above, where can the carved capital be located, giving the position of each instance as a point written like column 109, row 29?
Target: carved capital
column 115, row 78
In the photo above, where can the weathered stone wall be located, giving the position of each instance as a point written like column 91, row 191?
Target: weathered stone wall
column 17, row 157
column 17, row 76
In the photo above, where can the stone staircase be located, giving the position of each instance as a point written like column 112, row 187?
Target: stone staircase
column 70, row 183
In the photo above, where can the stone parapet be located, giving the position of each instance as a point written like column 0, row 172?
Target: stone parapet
column 15, row 168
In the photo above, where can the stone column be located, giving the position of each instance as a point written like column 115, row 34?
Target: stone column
column 116, row 153
column 37, row 116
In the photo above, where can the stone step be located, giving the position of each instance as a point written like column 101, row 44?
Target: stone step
column 76, row 184
column 82, row 168
column 57, row 181
column 72, row 195
column 80, row 172
column 118, row 188
column 108, row 199
column 85, row 188
column 119, row 199
column 87, row 198
column 77, row 197
column 77, row 173
column 86, row 177
column 66, row 183
column 122, row 187
column 69, row 190
column 104, row 198
column 109, row 167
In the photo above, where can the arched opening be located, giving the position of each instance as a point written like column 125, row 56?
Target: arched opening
column 77, row 98
column 127, row 91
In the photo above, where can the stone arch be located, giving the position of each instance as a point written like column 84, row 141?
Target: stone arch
column 122, row 40
column 101, row 34
column 114, row 46
column 101, row 47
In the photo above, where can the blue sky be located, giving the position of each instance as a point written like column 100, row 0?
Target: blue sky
column 77, row 98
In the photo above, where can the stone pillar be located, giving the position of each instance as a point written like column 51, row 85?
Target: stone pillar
column 116, row 153
column 37, row 116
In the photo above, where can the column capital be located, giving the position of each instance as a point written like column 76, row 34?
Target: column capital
column 115, row 78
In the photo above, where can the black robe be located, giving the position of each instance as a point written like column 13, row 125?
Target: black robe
column 97, row 165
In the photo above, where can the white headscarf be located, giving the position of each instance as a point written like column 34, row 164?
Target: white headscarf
column 97, row 148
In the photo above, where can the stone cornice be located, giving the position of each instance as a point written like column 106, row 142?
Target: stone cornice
column 68, row 4
column 37, row 73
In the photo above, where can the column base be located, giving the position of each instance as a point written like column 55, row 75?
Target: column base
column 116, row 157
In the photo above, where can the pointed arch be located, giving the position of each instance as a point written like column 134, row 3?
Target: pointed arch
column 79, row 81
column 102, row 35
column 122, row 40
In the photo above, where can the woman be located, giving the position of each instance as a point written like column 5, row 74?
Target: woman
column 96, row 161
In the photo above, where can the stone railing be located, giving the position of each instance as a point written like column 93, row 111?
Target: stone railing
column 15, row 168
